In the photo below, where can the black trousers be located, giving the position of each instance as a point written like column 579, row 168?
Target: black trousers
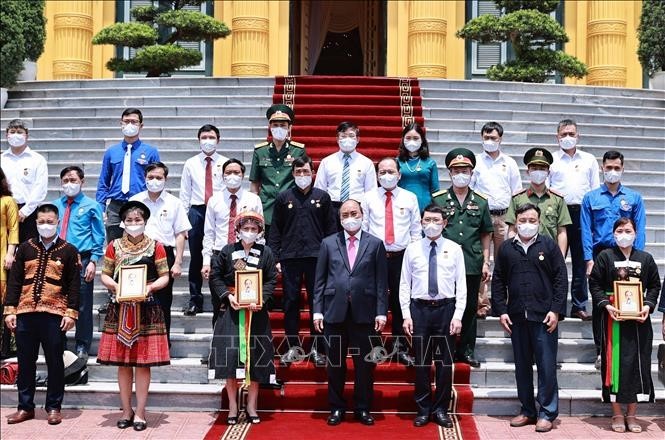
column 196, row 216
column 293, row 272
column 394, row 272
column 164, row 297
column 467, row 341
column 432, row 342
column 33, row 329
column 597, row 317
column 578, row 285
column 339, row 338
column 27, row 229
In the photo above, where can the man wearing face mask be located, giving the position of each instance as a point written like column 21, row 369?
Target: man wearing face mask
column 392, row 214
column 82, row 225
column 27, row 175
column 346, row 174
column 302, row 217
column 168, row 225
column 469, row 225
column 40, row 307
column 574, row 173
column 223, row 208
column 201, row 178
column 271, row 163
column 529, row 289
column 555, row 216
column 123, row 170
column 600, row 209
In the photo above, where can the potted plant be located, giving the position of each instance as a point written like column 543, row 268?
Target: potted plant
column 12, row 46
column 34, row 34
column 651, row 35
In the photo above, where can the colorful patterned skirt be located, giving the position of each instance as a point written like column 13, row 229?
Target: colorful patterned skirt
column 144, row 345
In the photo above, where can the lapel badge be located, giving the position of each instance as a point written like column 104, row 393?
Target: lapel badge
column 142, row 155
column 25, row 171
column 57, row 262
column 290, row 205
column 541, row 257
column 401, row 211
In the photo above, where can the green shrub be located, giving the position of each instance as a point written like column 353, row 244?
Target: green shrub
column 126, row 34
column 34, row 30
column 12, row 44
column 651, row 35
column 156, row 59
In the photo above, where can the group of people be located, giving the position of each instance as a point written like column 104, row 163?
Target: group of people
column 364, row 239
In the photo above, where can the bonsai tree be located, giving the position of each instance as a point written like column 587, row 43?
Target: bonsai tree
column 651, row 34
column 527, row 25
column 34, row 28
column 156, row 34
column 12, row 44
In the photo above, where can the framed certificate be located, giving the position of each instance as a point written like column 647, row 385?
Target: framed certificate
column 628, row 299
column 132, row 284
column 249, row 287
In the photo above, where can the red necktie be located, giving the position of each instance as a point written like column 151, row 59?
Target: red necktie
column 390, row 229
column 232, row 220
column 65, row 219
column 208, row 190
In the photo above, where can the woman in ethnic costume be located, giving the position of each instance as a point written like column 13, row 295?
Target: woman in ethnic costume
column 8, row 244
column 229, row 360
column 625, row 344
column 134, row 333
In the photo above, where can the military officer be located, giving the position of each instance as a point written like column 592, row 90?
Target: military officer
column 554, row 216
column 271, row 162
column 469, row 225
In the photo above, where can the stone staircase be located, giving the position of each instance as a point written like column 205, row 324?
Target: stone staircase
column 73, row 122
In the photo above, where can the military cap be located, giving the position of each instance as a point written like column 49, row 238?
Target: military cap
column 134, row 204
column 460, row 157
column 538, row 156
column 280, row 112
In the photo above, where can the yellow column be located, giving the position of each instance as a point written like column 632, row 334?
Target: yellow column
column 427, row 39
column 606, row 40
column 250, row 26
column 72, row 26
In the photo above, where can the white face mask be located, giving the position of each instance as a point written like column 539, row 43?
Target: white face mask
column 432, row 230
column 16, row 139
column 612, row 176
column 538, row 176
column 568, row 143
column 527, row 230
column 351, row 224
column 71, row 189
column 248, row 237
column 46, row 231
column 490, row 146
column 303, row 181
column 155, row 185
column 413, row 145
column 130, row 130
column 208, row 146
column 134, row 230
column 347, row 145
column 279, row 133
column 232, row 181
column 624, row 240
column 388, row 181
column 461, row 180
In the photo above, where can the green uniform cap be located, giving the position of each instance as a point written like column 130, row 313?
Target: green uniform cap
column 460, row 157
column 280, row 112
column 538, row 156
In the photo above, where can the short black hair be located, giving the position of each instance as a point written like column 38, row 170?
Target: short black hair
column 525, row 207
column 17, row 123
column 624, row 221
column 341, row 128
column 48, row 207
column 436, row 209
column 232, row 161
column 490, row 127
column 132, row 111
column 612, row 155
column 301, row 161
column 78, row 170
column 423, row 153
column 208, row 127
column 393, row 159
column 156, row 165
column 566, row 123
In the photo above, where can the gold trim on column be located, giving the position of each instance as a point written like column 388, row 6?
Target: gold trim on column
column 606, row 39
column 250, row 27
column 427, row 40
column 73, row 26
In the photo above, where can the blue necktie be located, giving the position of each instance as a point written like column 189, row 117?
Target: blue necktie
column 344, row 194
column 432, row 286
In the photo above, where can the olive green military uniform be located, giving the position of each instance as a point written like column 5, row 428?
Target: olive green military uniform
column 553, row 210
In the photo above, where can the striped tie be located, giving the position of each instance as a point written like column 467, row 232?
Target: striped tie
column 346, row 175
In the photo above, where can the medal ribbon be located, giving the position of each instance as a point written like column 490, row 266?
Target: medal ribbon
column 244, row 334
column 613, row 351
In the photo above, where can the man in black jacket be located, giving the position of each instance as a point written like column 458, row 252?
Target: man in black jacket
column 529, row 289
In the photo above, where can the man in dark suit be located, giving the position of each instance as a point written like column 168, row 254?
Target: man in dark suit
column 350, row 297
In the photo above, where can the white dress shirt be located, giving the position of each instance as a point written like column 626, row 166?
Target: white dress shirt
column 167, row 217
column 216, row 227
column 574, row 176
column 498, row 179
column 362, row 177
column 406, row 217
column 450, row 272
column 525, row 246
column 193, row 180
column 27, row 175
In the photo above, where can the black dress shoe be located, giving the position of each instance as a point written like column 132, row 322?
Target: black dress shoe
column 319, row 359
column 441, row 418
column 192, row 311
column 125, row 423
column 405, row 359
column 364, row 417
column 140, row 425
column 421, row 421
column 583, row 315
column 336, row 417
column 473, row 362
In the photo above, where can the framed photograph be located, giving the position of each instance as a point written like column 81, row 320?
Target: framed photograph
column 249, row 287
column 628, row 298
column 132, row 283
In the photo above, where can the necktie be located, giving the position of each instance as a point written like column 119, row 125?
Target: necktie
column 232, row 219
column 126, row 169
column 432, row 285
column 208, row 189
column 390, row 229
column 352, row 251
column 65, row 219
column 346, row 175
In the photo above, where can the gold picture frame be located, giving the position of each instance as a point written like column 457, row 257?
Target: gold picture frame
column 628, row 299
column 249, row 287
column 132, row 283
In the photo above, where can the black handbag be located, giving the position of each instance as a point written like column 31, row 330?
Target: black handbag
column 661, row 363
